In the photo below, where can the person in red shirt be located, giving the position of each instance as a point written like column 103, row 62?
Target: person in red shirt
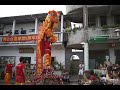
column 8, row 73
column 20, row 72
column 92, row 77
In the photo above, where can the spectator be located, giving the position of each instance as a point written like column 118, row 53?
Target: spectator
column 115, row 77
column 86, row 80
column 118, row 78
column 66, row 76
column 81, row 70
column 10, row 32
column 101, row 66
column 103, row 69
column 92, row 77
column 97, row 83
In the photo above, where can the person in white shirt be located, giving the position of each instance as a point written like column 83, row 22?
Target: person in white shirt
column 108, row 63
column 81, row 70
column 103, row 71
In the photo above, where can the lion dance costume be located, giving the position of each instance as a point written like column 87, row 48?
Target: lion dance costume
column 45, row 38
column 8, row 73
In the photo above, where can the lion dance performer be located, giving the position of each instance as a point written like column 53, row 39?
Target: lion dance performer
column 8, row 73
column 45, row 38
column 20, row 72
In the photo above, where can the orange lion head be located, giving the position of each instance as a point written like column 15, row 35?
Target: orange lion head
column 54, row 16
column 54, row 13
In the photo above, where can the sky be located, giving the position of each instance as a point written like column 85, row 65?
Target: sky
column 16, row 10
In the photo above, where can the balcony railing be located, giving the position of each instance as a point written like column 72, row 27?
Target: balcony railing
column 99, row 32
column 79, row 35
column 58, row 34
column 76, row 37
column 99, row 35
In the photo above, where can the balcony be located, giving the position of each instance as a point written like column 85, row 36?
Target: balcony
column 58, row 34
column 100, row 35
column 75, row 36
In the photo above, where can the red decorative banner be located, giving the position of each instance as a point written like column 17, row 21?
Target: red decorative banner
column 39, row 58
column 19, row 38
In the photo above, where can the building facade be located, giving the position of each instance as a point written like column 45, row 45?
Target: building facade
column 26, row 25
column 99, row 36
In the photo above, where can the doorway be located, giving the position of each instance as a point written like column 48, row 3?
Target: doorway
column 52, row 61
column 28, row 62
column 92, row 63
column 74, row 64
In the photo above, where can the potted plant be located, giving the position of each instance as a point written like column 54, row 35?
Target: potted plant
column 57, row 67
column 67, row 30
column 104, row 28
column 75, row 29
column 93, row 27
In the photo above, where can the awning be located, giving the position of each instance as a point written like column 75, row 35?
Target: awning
column 104, row 39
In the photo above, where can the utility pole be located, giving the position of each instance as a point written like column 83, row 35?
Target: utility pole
column 85, row 21
column 86, row 48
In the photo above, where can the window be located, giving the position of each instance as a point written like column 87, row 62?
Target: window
column 58, row 28
column 7, row 32
column 23, row 31
column 91, row 21
column 103, row 20
column 32, row 30
column 52, row 61
column 117, row 19
column 16, row 32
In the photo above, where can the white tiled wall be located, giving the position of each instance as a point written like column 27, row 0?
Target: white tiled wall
column 14, row 51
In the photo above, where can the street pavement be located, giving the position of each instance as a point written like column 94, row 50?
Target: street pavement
column 74, row 80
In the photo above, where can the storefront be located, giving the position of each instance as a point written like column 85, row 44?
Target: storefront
column 102, row 47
